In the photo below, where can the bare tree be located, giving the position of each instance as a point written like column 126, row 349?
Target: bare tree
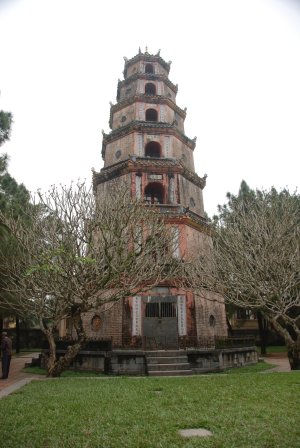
column 255, row 261
column 75, row 252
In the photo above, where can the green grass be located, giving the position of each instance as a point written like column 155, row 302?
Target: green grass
column 273, row 349
column 242, row 411
column 276, row 349
column 261, row 366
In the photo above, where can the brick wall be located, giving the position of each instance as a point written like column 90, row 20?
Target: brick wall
column 207, row 305
column 111, row 316
column 191, row 196
column 124, row 144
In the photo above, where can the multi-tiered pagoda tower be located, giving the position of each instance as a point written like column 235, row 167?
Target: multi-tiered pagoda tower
column 148, row 151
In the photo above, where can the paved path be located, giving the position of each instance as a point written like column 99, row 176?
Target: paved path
column 280, row 360
column 17, row 378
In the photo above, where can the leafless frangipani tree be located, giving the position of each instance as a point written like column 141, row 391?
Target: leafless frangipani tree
column 255, row 262
column 74, row 251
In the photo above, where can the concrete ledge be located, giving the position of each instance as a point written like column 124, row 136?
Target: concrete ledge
column 10, row 389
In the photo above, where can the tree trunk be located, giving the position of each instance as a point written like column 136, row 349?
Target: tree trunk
column 56, row 367
column 293, row 346
column 294, row 356
column 17, row 334
column 262, row 326
column 63, row 362
column 51, row 360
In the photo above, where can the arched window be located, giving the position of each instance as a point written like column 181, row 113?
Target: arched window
column 153, row 149
column 154, row 193
column 151, row 115
column 96, row 323
column 149, row 68
column 150, row 89
column 212, row 321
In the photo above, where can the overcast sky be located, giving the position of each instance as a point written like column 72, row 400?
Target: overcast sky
column 237, row 64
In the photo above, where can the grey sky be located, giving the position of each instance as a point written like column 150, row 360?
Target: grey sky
column 236, row 63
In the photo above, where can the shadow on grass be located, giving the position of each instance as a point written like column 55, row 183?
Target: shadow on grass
column 66, row 374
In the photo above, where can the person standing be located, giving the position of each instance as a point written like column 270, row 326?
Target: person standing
column 6, row 350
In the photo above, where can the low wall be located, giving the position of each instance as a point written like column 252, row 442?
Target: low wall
column 133, row 362
column 202, row 361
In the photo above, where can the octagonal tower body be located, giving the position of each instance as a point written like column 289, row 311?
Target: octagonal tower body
column 148, row 151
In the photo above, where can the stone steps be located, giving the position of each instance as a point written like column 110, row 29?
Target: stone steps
column 35, row 362
column 170, row 373
column 167, row 359
column 167, row 367
column 165, row 353
column 167, row 363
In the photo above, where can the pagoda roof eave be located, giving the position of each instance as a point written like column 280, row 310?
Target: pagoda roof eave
column 147, row 76
column 155, row 126
column 148, row 58
column 147, row 164
column 154, row 99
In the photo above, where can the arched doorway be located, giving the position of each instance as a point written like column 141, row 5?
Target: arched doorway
column 151, row 115
column 153, row 149
column 150, row 89
column 149, row 68
column 154, row 193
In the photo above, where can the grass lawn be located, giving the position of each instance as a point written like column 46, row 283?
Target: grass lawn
column 261, row 366
column 277, row 349
column 273, row 349
column 254, row 410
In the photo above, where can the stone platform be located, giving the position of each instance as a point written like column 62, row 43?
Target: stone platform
column 161, row 362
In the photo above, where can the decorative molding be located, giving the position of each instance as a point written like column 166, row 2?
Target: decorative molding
column 159, row 88
column 181, row 305
column 167, row 146
column 171, row 189
column 138, row 186
column 176, row 252
column 155, row 176
column 139, row 144
column 141, row 111
column 162, row 113
column 136, row 316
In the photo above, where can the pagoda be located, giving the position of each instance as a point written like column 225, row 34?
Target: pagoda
column 147, row 150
